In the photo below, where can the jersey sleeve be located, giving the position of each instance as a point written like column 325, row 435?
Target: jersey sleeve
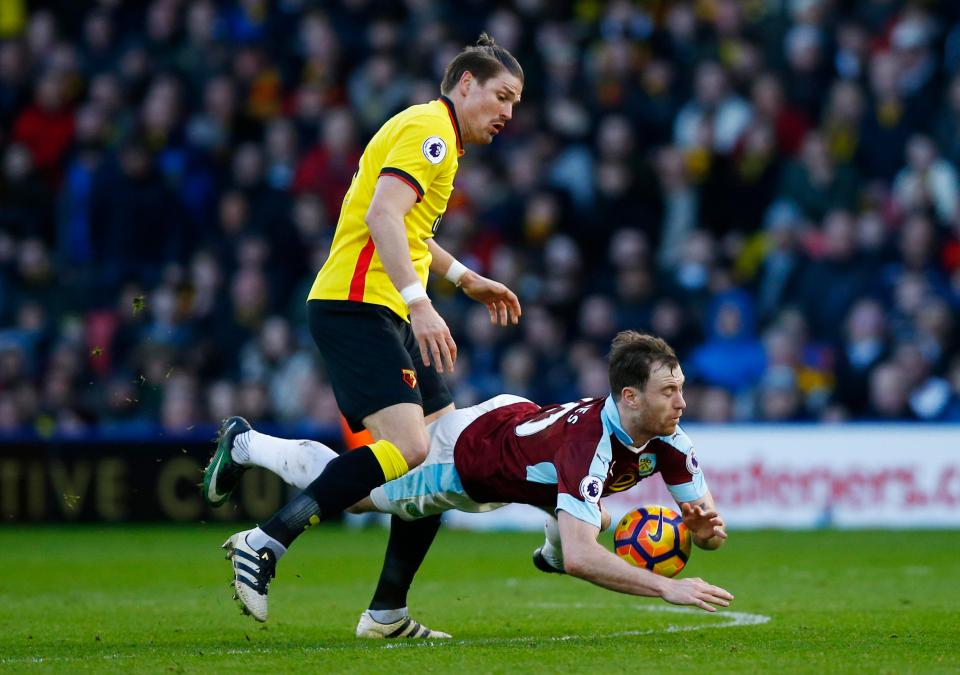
column 581, row 471
column 680, row 468
column 420, row 151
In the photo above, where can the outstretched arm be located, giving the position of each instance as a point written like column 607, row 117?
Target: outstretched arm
column 705, row 523
column 585, row 558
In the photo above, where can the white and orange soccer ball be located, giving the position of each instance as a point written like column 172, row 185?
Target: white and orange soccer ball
column 653, row 537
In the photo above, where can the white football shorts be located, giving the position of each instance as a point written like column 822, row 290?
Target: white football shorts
column 434, row 486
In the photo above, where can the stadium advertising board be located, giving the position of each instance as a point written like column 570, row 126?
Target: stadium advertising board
column 761, row 476
column 118, row 482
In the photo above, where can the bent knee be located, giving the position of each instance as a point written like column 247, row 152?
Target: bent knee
column 416, row 453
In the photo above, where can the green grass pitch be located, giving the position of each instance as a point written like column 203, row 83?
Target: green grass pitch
column 155, row 599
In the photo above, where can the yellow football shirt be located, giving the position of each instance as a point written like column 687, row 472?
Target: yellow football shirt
column 421, row 146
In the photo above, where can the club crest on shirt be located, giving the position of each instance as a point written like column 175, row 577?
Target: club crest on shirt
column 434, row 149
column 591, row 488
column 693, row 466
column 409, row 377
column 646, row 464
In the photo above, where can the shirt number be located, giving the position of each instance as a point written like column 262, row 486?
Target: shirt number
column 536, row 426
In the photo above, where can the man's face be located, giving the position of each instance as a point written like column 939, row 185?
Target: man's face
column 487, row 107
column 661, row 401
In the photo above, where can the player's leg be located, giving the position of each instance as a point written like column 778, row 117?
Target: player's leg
column 297, row 462
column 239, row 447
column 368, row 366
column 549, row 557
column 388, row 616
column 223, row 472
column 431, row 487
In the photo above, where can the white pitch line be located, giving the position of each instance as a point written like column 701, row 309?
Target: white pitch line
column 730, row 620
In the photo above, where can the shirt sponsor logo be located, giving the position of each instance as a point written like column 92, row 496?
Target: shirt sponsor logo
column 434, row 149
column 591, row 488
column 623, row 482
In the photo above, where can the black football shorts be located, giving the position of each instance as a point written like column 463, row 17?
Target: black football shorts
column 372, row 359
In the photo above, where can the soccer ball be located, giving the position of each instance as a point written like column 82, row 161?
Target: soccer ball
column 653, row 537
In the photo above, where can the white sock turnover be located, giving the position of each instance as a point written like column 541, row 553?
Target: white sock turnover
column 386, row 616
column 257, row 539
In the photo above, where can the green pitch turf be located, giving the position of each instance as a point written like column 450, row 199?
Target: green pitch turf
column 155, row 599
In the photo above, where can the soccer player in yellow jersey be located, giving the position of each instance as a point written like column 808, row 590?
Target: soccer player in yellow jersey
column 383, row 342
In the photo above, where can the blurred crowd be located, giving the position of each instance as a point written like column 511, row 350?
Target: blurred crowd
column 771, row 185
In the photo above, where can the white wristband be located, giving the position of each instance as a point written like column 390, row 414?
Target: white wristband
column 413, row 292
column 455, row 272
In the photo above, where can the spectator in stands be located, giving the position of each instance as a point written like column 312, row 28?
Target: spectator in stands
column 732, row 357
column 863, row 347
column 779, row 398
column 836, row 278
column 714, row 110
column 46, row 127
column 783, row 263
column 842, row 120
column 927, row 183
column 889, row 393
column 887, row 123
column 815, row 183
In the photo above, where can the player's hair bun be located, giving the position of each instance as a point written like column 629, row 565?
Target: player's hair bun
column 485, row 40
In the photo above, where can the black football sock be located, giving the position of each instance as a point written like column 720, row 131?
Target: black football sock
column 345, row 481
column 409, row 542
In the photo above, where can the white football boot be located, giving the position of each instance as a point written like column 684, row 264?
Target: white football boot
column 252, row 572
column 404, row 628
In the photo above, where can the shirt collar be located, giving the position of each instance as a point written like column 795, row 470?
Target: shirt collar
column 453, row 120
column 610, row 417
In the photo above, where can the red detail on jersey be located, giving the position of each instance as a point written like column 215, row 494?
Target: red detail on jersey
column 415, row 188
column 409, row 378
column 359, row 280
column 453, row 120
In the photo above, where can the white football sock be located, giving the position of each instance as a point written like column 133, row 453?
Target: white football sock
column 552, row 550
column 298, row 463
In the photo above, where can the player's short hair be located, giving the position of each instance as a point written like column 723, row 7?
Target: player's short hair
column 484, row 60
column 633, row 356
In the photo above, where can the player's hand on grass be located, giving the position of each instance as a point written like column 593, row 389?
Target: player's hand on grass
column 696, row 592
column 433, row 336
column 501, row 302
column 703, row 524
